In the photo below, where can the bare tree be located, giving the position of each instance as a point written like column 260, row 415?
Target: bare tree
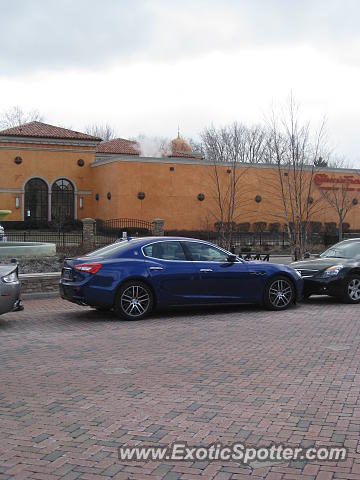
column 336, row 161
column 256, row 145
column 340, row 193
column 295, row 149
column 225, row 149
column 197, row 147
column 16, row 116
column 104, row 131
column 250, row 143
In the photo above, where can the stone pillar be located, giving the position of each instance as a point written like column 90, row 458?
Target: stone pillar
column 158, row 227
column 88, row 233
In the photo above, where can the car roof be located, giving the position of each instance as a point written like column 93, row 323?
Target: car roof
column 144, row 240
column 350, row 240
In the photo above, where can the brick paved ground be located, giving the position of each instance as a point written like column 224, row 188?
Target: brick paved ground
column 75, row 384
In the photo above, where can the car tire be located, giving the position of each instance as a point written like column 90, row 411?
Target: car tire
column 279, row 293
column 352, row 289
column 134, row 301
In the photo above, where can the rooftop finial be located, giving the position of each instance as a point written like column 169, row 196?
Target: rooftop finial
column 178, row 131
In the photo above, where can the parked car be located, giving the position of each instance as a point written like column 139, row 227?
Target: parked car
column 136, row 275
column 336, row 272
column 9, row 289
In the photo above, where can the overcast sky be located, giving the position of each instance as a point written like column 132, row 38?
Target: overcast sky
column 146, row 66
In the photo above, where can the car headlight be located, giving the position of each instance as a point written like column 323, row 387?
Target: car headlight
column 332, row 271
column 11, row 278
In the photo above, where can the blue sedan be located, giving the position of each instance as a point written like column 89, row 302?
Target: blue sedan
column 136, row 275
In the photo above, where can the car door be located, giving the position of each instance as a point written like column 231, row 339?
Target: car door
column 172, row 274
column 219, row 280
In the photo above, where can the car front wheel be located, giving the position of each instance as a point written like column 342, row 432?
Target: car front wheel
column 352, row 289
column 134, row 301
column 279, row 293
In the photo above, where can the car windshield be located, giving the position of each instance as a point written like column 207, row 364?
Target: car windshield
column 342, row 250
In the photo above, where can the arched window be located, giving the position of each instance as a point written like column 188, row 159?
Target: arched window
column 36, row 200
column 62, row 201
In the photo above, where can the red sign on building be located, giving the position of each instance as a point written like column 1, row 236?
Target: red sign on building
column 332, row 182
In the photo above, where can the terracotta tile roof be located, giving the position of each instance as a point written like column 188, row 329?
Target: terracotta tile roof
column 44, row 130
column 119, row 145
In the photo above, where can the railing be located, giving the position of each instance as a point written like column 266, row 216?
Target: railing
column 123, row 224
column 63, row 239
column 246, row 240
column 108, row 231
column 351, row 235
column 265, row 257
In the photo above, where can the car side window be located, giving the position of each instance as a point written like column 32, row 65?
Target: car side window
column 165, row 251
column 201, row 252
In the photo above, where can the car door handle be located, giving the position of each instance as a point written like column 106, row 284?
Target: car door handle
column 205, row 269
column 156, row 268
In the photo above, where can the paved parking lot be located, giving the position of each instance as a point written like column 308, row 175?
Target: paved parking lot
column 75, row 384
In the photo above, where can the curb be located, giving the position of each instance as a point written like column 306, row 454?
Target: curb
column 39, row 295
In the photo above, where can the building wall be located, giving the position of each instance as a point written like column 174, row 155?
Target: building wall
column 171, row 186
column 49, row 162
column 172, row 195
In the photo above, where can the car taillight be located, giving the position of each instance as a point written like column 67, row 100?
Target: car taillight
column 11, row 277
column 88, row 267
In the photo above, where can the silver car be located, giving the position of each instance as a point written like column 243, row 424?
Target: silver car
column 10, row 300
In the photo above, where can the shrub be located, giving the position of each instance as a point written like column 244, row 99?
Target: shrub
column 346, row 227
column 330, row 239
column 200, row 234
column 274, row 227
column 315, row 227
column 259, row 226
column 225, row 226
column 243, row 227
column 330, row 227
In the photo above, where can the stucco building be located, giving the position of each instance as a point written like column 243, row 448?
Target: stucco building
column 52, row 173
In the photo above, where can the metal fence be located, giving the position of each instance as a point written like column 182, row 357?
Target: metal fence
column 62, row 239
column 246, row 240
column 351, row 235
column 123, row 224
column 108, row 231
column 263, row 241
column 111, row 230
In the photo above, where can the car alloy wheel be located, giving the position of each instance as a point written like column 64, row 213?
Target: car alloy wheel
column 352, row 293
column 134, row 301
column 279, row 293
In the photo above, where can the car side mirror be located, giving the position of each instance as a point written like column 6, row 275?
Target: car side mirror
column 231, row 258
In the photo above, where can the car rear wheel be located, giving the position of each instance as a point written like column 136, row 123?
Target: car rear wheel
column 134, row 301
column 279, row 293
column 352, row 289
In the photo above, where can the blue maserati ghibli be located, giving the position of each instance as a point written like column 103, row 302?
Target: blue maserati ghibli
column 136, row 275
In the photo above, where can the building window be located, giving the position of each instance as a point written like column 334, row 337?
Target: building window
column 62, row 201
column 36, row 200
